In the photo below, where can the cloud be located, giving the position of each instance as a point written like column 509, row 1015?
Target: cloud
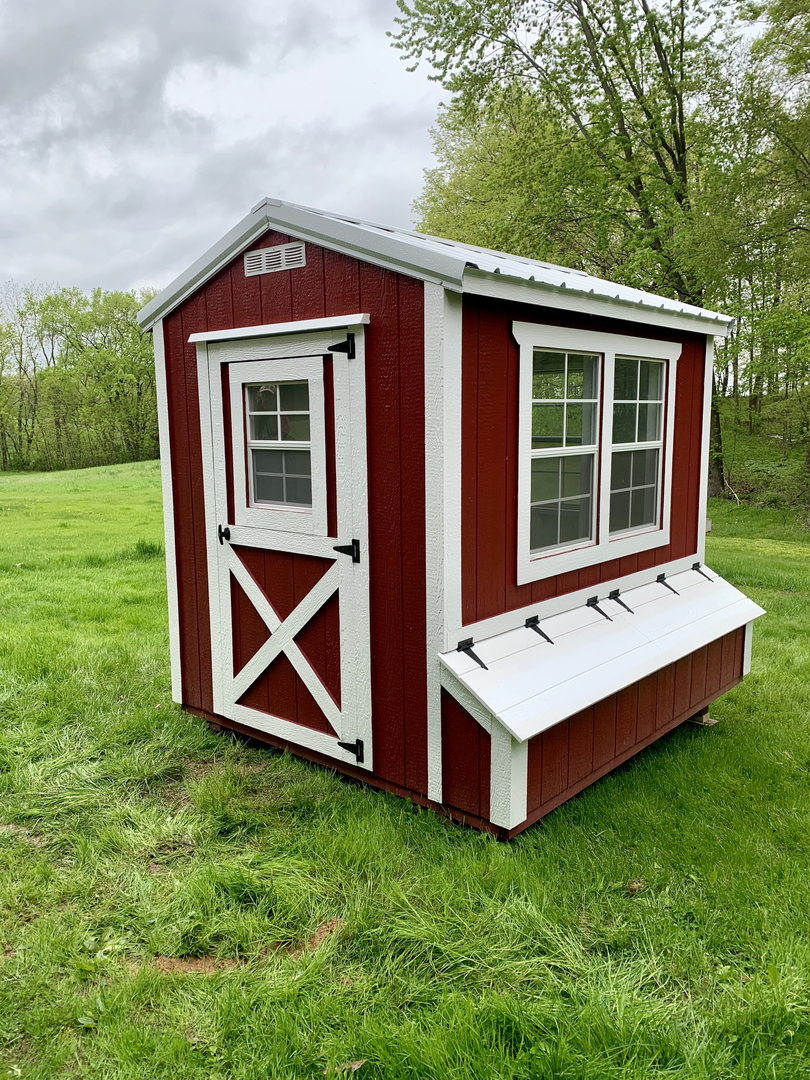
column 134, row 134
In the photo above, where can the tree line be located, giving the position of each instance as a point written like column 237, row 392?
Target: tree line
column 660, row 143
column 77, row 379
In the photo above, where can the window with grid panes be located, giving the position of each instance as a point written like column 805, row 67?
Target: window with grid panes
column 638, row 421
column 565, row 403
column 279, row 444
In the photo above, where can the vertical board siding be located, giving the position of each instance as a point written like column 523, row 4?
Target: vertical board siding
column 466, row 759
column 489, row 438
column 329, row 284
column 574, row 753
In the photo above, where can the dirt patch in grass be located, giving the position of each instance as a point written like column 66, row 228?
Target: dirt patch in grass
column 318, row 938
column 23, row 834
column 192, row 965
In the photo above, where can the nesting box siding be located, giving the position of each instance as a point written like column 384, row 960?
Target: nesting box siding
column 330, row 284
column 489, row 452
column 466, row 760
column 572, row 755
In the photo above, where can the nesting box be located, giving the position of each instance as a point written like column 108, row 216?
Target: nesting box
column 435, row 515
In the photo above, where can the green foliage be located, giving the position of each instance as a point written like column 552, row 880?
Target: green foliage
column 77, row 379
column 655, row 926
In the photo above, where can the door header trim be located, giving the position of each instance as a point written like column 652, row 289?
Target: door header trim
column 301, row 326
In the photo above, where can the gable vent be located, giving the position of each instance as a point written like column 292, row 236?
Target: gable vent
column 268, row 260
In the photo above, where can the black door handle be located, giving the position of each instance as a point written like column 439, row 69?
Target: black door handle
column 223, row 534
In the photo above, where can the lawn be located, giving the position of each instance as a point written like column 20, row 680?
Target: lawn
column 183, row 905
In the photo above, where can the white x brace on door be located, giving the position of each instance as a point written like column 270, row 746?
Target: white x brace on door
column 284, row 451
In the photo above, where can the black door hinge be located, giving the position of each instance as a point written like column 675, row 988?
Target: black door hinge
column 346, row 346
column 531, row 624
column 662, row 580
column 466, row 646
column 223, row 534
column 614, row 596
column 594, row 603
column 352, row 549
column 355, row 748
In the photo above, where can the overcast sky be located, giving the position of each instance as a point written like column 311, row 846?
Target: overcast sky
column 134, row 133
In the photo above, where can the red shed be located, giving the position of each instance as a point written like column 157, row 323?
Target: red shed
column 435, row 515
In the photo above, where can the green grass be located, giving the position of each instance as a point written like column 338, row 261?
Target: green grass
column 655, row 926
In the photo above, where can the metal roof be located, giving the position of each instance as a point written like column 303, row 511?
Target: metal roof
column 456, row 266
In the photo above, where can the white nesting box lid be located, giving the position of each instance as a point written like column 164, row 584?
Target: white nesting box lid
column 529, row 685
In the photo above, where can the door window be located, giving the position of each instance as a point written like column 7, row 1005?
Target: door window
column 279, row 444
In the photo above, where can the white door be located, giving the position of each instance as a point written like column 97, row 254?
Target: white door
column 284, row 446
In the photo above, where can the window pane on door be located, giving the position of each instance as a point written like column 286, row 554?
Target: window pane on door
column 282, row 477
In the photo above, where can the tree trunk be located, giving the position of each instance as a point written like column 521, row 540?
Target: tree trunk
column 715, row 447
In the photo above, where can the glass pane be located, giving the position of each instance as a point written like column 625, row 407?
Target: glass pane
column 588, row 423
column 582, row 376
column 268, row 461
column 642, row 507
column 645, row 467
column 625, row 386
column 263, row 426
column 547, row 425
column 267, row 488
column 544, row 523
column 294, row 397
column 545, row 479
column 297, row 463
column 577, row 475
column 651, row 381
column 299, row 490
column 649, row 423
column 262, row 398
column 575, row 520
column 621, row 470
column 619, row 511
column 624, row 423
column 548, row 380
column 573, row 425
column 295, row 427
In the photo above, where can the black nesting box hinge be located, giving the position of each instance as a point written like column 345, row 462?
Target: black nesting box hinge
column 352, row 549
column 662, row 580
column 594, row 603
column 466, row 646
column 614, row 596
column 346, row 346
column 531, row 624
column 355, row 748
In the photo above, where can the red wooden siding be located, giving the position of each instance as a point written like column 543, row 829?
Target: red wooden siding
column 489, row 441
column 330, row 284
column 571, row 755
column 465, row 760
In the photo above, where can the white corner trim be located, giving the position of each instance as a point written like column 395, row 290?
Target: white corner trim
column 302, row 326
column 434, row 331
column 749, row 638
column 508, row 784
column 161, row 392
column 602, row 549
column 705, row 443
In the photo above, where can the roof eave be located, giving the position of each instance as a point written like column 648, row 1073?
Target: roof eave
column 565, row 297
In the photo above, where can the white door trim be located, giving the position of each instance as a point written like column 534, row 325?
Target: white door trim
column 353, row 719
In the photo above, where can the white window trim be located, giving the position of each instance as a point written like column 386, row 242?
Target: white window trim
column 530, row 336
column 284, row 519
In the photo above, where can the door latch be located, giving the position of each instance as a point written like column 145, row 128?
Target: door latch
column 352, row 549
column 223, row 534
